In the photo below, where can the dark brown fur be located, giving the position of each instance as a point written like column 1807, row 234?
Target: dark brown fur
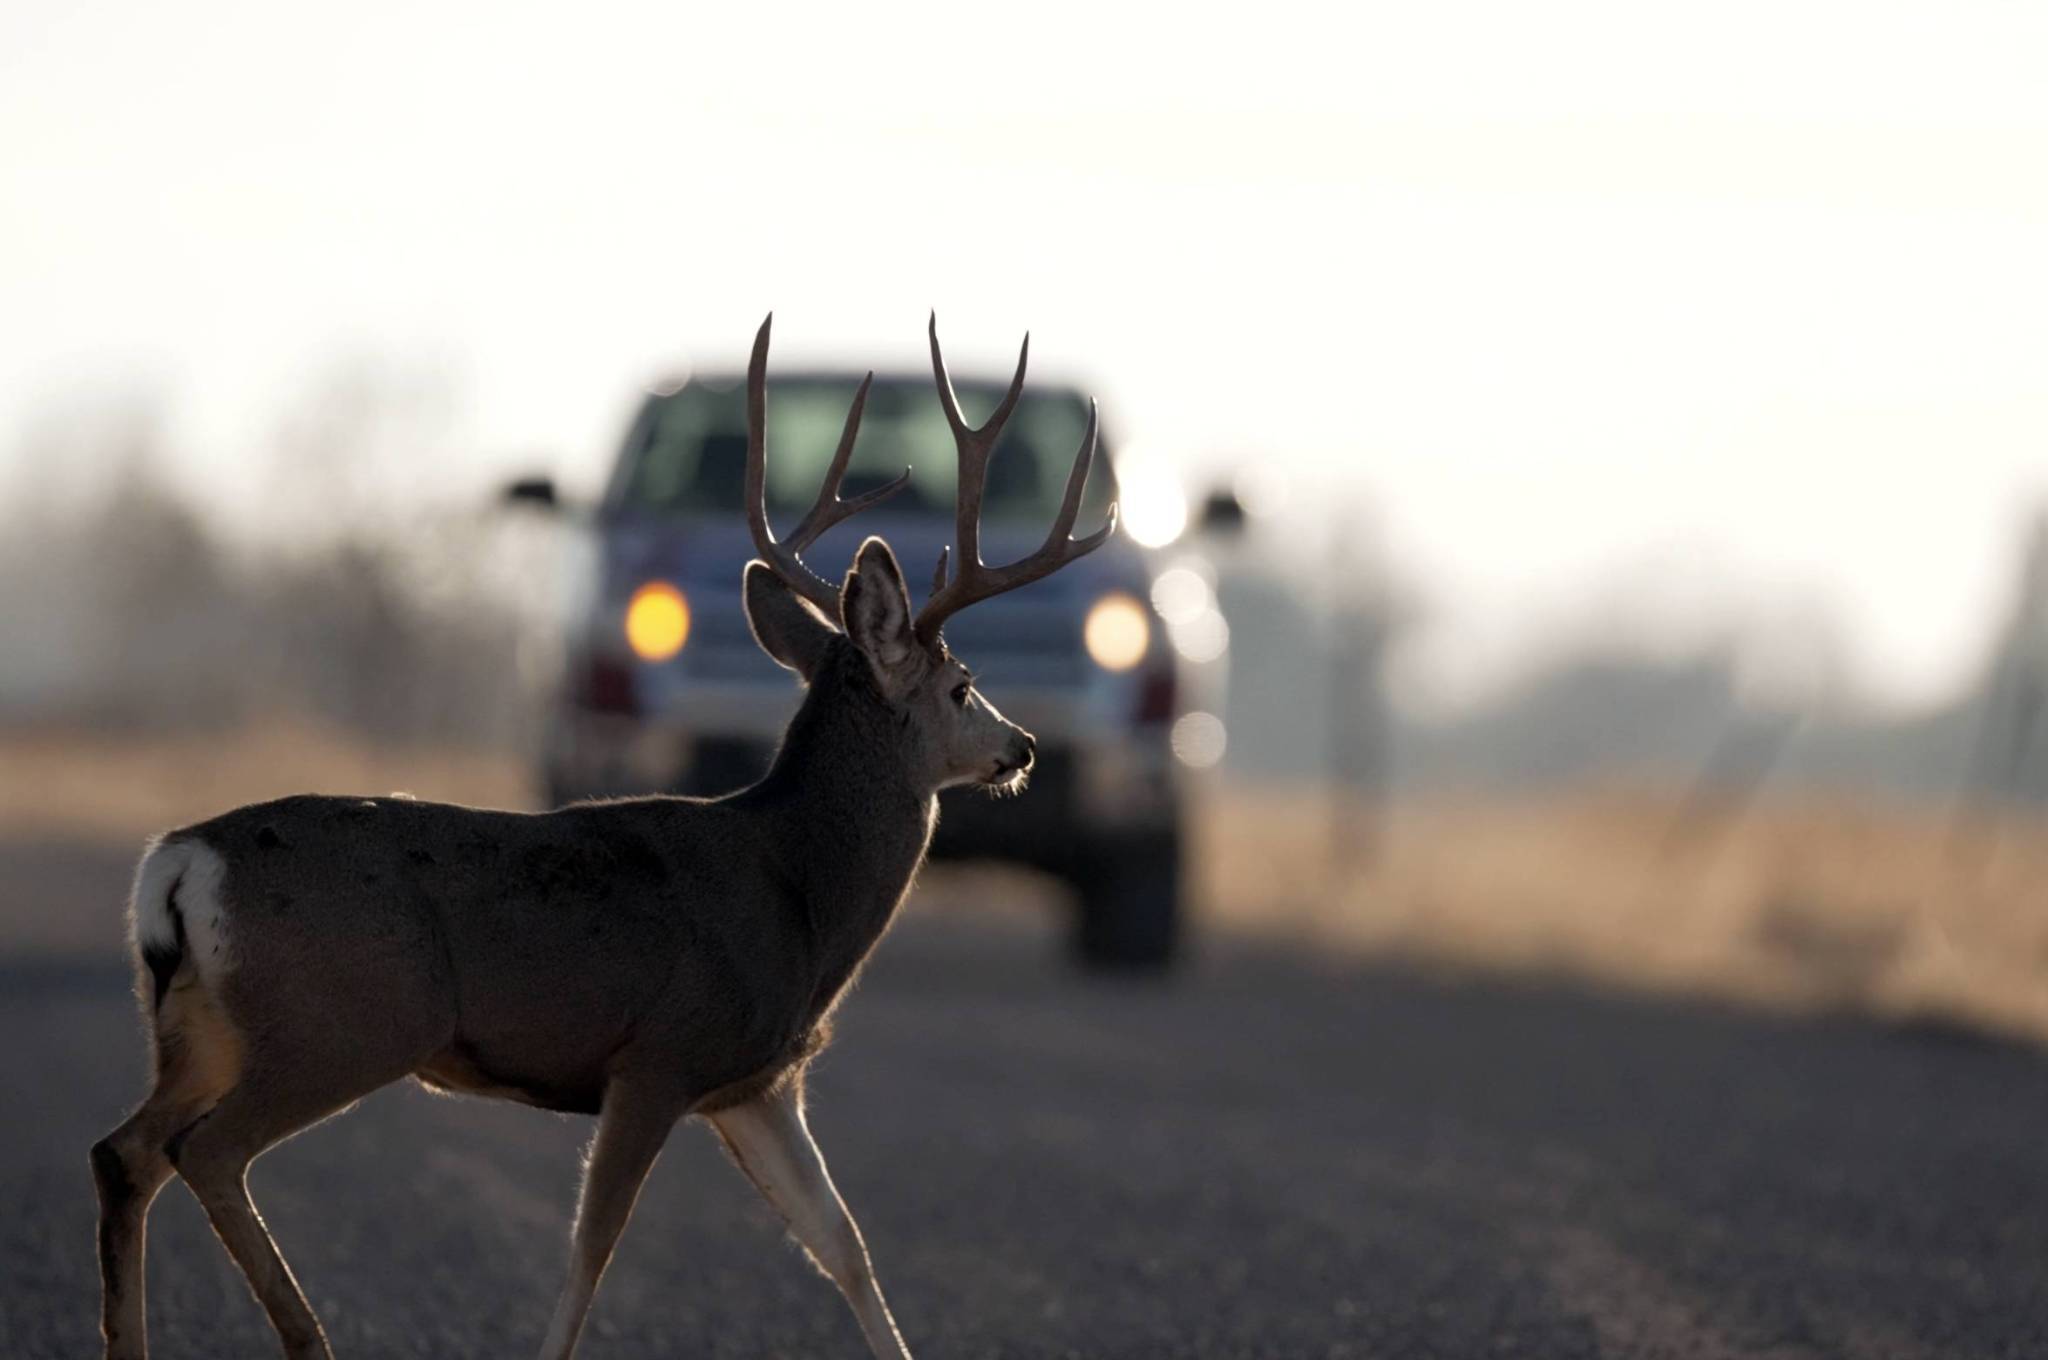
column 534, row 955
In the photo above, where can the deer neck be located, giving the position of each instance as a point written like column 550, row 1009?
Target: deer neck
column 853, row 818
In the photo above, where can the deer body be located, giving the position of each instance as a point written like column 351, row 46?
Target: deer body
column 642, row 960
column 529, row 954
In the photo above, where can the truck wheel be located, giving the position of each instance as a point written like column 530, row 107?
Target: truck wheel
column 1130, row 906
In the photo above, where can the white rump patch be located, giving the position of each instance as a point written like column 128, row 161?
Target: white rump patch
column 193, row 872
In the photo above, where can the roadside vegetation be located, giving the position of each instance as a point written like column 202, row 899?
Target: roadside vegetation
column 1842, row 900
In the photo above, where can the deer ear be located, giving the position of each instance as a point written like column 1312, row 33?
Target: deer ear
column 874, row 607
column 787, row 628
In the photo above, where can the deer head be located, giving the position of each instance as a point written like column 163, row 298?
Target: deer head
column 952, row 733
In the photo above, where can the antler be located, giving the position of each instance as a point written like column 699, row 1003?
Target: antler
column 975, row 580
column 784, row 557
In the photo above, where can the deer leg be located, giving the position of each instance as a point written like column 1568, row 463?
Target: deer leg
column 631, row 1128
column 273, row 1101
column 129, row 1167
column 197, row 1061
column 773, row 1146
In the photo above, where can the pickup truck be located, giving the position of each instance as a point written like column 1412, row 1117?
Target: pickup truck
column 664, row 690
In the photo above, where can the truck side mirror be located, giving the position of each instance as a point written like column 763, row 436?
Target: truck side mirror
column 538, row 492
column 1222, row 513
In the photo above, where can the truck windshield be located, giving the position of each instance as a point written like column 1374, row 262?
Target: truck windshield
column 690, row 449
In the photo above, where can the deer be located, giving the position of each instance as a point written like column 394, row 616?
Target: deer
column 643, row 960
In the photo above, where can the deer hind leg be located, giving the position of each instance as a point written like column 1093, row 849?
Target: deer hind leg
column 631, row 1128
column 771, row 1142
column 283, row 1089
column 198, row 1059
column 129, row 1167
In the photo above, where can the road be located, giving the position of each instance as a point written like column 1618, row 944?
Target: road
column 1270, row 1157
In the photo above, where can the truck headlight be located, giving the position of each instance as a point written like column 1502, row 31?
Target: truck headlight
column 657, row 621
column 1117, row 632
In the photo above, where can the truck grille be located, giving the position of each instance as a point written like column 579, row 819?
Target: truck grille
column 1023, row 645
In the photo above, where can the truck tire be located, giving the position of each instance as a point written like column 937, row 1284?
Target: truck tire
column 1130, row 918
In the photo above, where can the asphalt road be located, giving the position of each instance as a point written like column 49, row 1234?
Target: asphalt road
column 1269, row 1157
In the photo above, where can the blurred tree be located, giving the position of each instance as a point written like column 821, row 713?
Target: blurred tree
column 2008, row 762
column 121, row 603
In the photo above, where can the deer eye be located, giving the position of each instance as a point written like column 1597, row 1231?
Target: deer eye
column 960, row 694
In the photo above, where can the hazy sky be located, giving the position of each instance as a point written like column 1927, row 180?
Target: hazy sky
column 1611, row 310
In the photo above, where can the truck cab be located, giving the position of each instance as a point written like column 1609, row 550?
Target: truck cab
column 664, row 689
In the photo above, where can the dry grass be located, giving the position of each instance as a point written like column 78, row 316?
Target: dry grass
column 1835, row 901
column 74, row 784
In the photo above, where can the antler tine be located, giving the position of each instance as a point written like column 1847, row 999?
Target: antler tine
column 1077, row 481
column 977, row 581
column 1060, row 547
column 985, row 435
column 975, row 443
column 829, row 509
column 783, row 557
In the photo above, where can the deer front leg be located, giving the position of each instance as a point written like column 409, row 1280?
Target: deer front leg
column 631, row 1128
column 773, row 1146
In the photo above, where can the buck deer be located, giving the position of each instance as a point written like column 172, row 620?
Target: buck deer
column 641, row 960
